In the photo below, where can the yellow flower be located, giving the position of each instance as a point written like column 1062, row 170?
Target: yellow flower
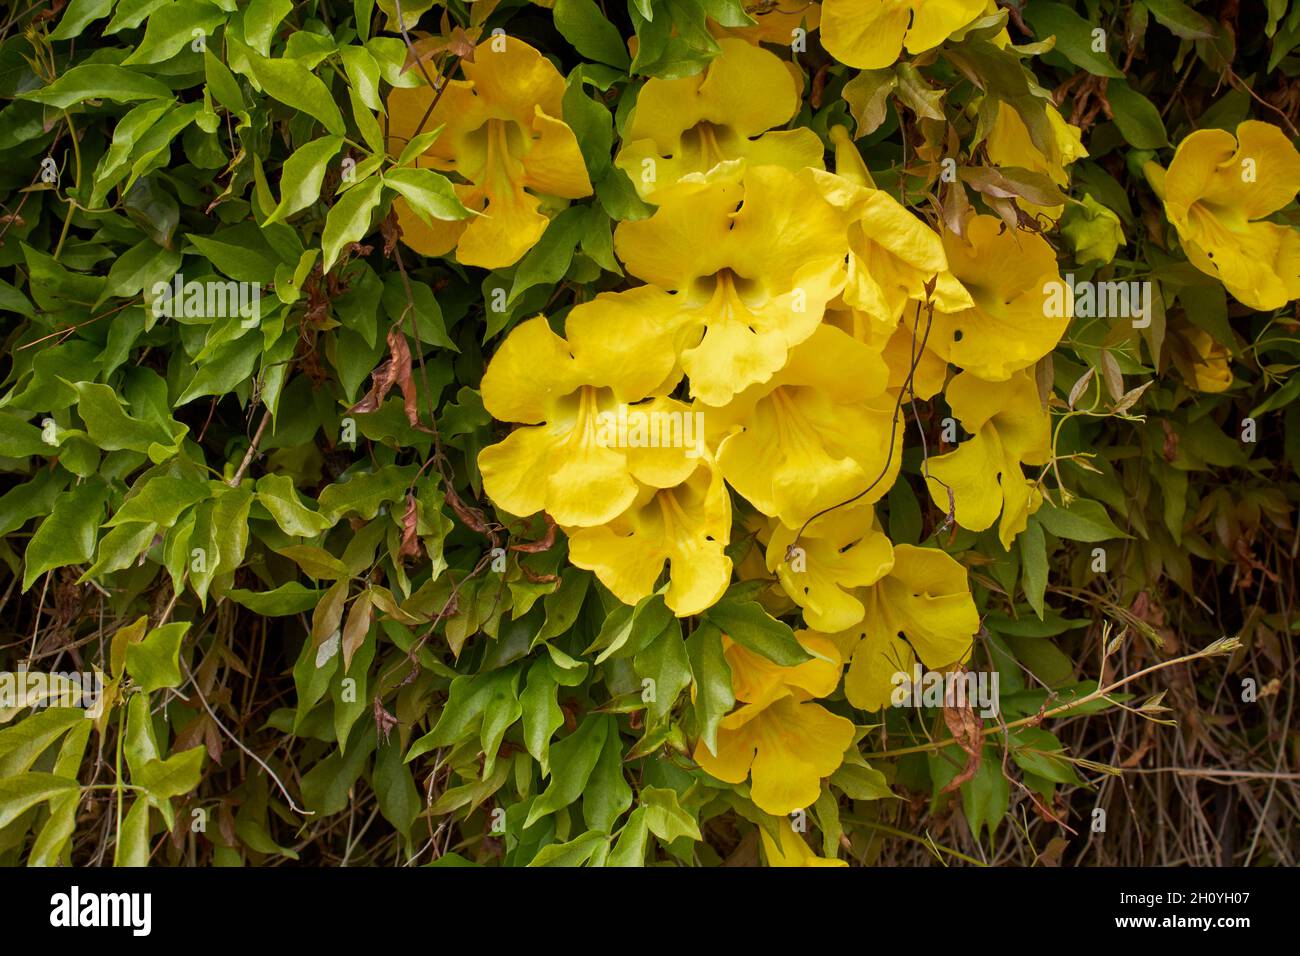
column 752, row 565
column 892, row 253
column 899, row 348
column 836, row 554
column 732, row 287
column 793, row 850
column 1010, row 275
column 870, row 34
column 1010, row 427
column 502, row 132
column 1207, row 368
column 925, row 598
column 565, row 393
column 1217, row 189
column 814, row 435
column 775, row 25
column 687, row 525
column 1009, row 144
column 689, row 125
column 780, row 739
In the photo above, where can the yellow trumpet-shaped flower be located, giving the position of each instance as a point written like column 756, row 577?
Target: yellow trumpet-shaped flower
column 1010, row 428
column 687, row 126
column 792, row 850
column 1009, row 144
column 503, row 133
column 687, row 525
column 1205, row 364
column 900, row 348
column 567, row 460
column 778, row 737
column 837, row 554
column 893, row 255
column 926, row 599
column 1217, row 190
column 870, row 34
column 740, row 271
column 1016, row 285
column 814, row 435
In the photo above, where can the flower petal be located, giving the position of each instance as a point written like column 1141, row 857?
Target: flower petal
column 797, row 743
column 512, row 388
column 553, row 164
column 1007, row 274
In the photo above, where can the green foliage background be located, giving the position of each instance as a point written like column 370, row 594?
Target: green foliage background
column 495, row 714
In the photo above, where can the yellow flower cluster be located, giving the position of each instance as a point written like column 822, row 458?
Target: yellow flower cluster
column 784, row 313
column 789, row 304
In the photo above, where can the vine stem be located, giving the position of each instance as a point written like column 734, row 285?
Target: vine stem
column 1221, row 646
column 238, row 743
column 252, row 451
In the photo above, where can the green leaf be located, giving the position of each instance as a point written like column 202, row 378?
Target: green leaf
column 160, row 500
column 20, row 793
column 712, row 676
column 173, row 777
column 363, row 494
column 572, row 761
column 302, row 175
column 1074, row 37
column 666, row 663
column 99, row 81
column 591, row 122
column 222, row 83
column 428, row 193
column 139, row 268
column 746, row 623
column 860, row 782
column 171, row 29
column 1084, row 520
column 548, row 261
column 1136, row 116
column 294, row 85
column 631, row 846
column 607, row 795
column 112, row 429
column 261, row 17
column 132, row 847
column 665, row 817
column 628, row 629
column 542, row 716
column 986, row 797
column 585, row 27
column 155, row 662
column 574, row 853
column 19, row 439
column 399, row 801
column 1038, row 752
column 67, row 536
column 349, row 219
column 287, row 599
column 78, row 15
column 277, row 495
column 1181, row 19
column 1033, row 558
